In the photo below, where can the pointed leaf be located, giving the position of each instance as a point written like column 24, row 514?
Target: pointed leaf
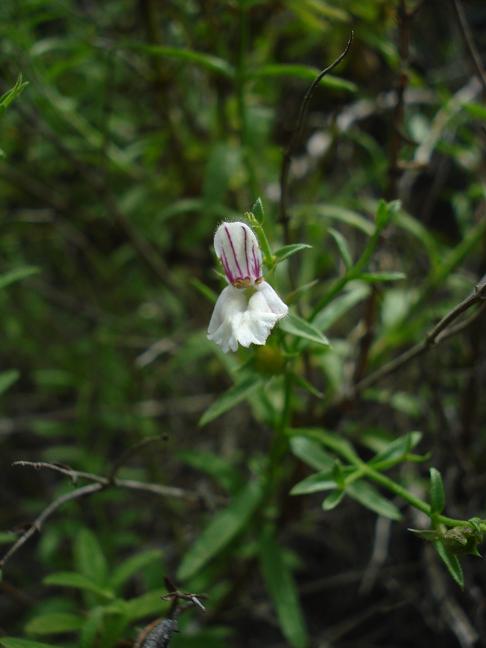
column 368, row 496
column 288, row 250
column 222, row 529
column 333, row 499
column 54, row 623
column 342, row 246
column 13, row 642
column 315, row 483
column 297, row 326
column 311, row 453
column 231, row 398
column 437, row 495
column 133, row 566
column 398, row 448
column 451, row 562
column 283, row 592
column 7, row 378
column 16, row 275
column 89, row 557
column 77, row 581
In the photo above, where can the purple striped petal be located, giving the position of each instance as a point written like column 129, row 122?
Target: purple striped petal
column 237, row 248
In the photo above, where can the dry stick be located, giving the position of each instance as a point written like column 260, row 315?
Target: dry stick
column 47, row 512
column 469, row 41
column 294, row 139
column 440, row 332
column 100, row 483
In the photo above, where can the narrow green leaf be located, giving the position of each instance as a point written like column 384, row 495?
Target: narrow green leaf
column 77, row 581
column 452, row 563
column 328, row 439
column 16, row 275
column 13, row 642
column 7, row 379
column 214, row 465
column 221, row 530
column 11, row 94
column 147, row 605
column 368, row 496
column 257, row 210
column 231, row 398
column 207, row 61
column 321, row 481
column 437, row 494
column 311, row 453
column 333, row 499
column 288, row 250
column 283, row 592
column 54, row 623
column 133, row 566
column 398, row 448
column 297, row 326
column 342, row 246
column 385, row 213
column 89, row 558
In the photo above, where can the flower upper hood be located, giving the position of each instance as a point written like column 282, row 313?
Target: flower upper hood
column 246, row 310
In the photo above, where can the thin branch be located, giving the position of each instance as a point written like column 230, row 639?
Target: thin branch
column 469, row 42
column 295, row 136
column 440, row 332
column 46, row 513
column 99, row 483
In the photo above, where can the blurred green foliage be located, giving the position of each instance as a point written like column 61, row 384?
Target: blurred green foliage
column 129, row 131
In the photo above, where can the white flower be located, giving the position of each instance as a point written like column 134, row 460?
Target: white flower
column 247, row 309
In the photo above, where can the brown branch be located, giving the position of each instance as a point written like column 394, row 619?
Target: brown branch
column 294, row 139
column 469, row 42
column 98, row 483
column 47, row 512
column 440, row 332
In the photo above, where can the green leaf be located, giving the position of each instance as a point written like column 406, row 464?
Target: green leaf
column 7, row 379
column 288, row 250
column 78, row 581
column 328, row 439
column 13, row 642
column 133, row 566
column 297, row 326
column 437, row 494
column 16, row 275
column 216, row 466
column 398, row 448
column 368, row 496
column 257, row 210
column 11, row 94
column 385, row 213
column 376, row 277
column 333, row 499
column 146, row 605
column 221, row 530
column 91, row 627
column 321, row 481
column 207, row 61
column 342, row 246
column 231, row 398
column 305, row 72
column 452, row 563
column 283, row 592
column 54, row 623
column 311, row 453
column 89, row 558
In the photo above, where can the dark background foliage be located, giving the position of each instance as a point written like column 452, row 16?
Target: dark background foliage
column 120, row 158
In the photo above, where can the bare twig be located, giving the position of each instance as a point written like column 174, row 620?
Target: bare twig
column 294, row 139
column 440, row 332
column 469, row 41
column 99, row 483
column 46, row 513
